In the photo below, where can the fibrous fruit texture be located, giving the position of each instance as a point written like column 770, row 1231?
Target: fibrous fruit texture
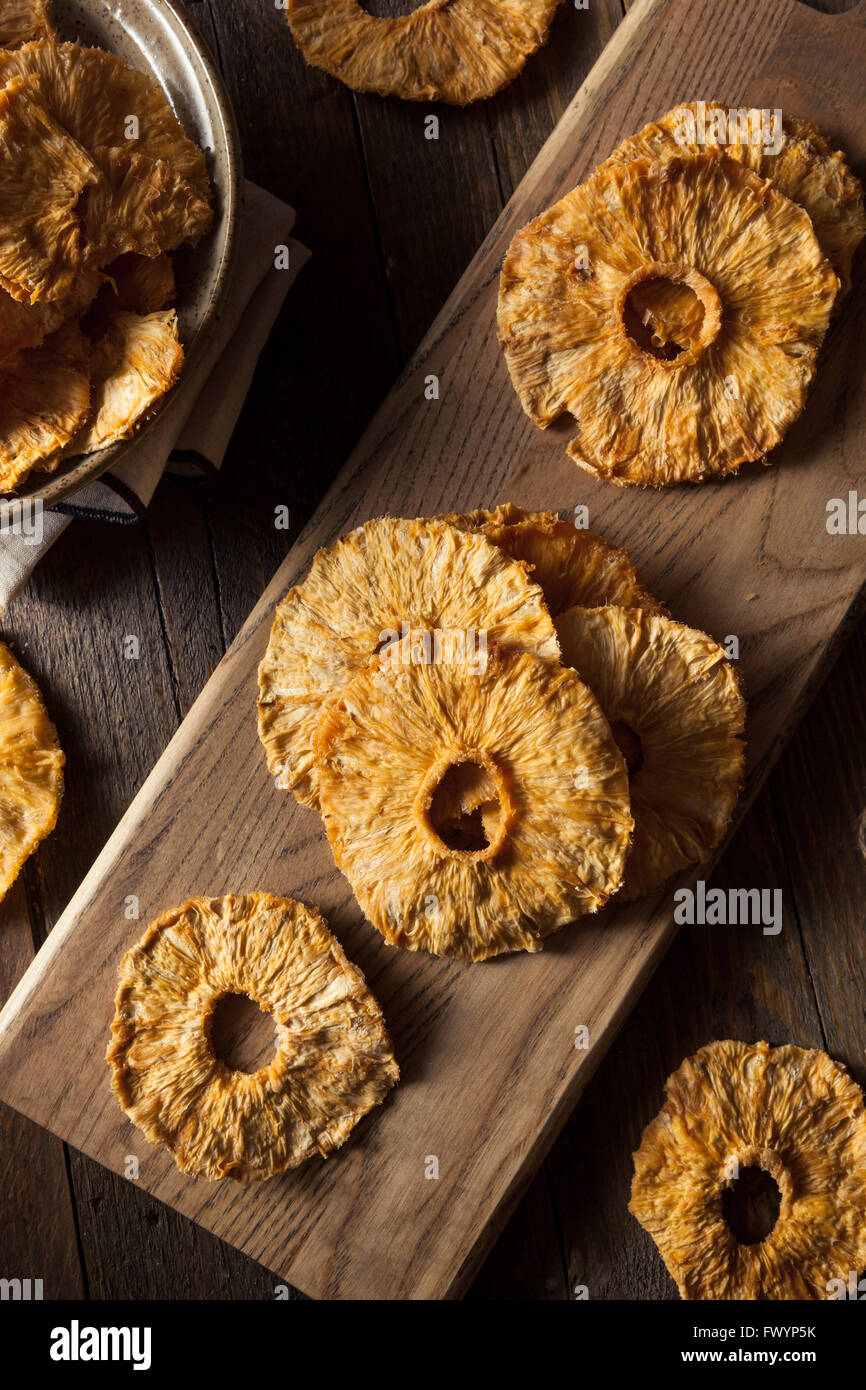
column 673, row 701
column 796, row 158
column 135, row 362
column 23, row 20
column 333, row 1061
column 31, row 769
column 571, row 565
column 795, row 1114
column 43, row 173
column 750, row 258
column 474, row 808
column 445, row 50
column 387, row 578
column 152, row 191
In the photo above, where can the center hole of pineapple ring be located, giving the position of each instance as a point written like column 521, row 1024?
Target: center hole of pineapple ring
column 463, row 805
column 671, row 313
column 751, row 1205
column 242, row 1035
column 629, row 744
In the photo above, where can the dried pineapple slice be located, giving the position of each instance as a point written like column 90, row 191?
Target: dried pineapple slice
column 43, row 172
column 141, row 205
column 751, row 257
column 455, row 51
column 134, row 364
column 333, row 1062
column 23, row 20
column 535, row 838
column 792, row 1112
column 31, row 769
column 154, row 190
column 27, row 325
column 44, row 398
column 384, row 574
column 674, row 704
column 573, row 567
column 805, row 168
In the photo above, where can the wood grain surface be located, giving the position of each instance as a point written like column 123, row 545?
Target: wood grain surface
column 793, row 988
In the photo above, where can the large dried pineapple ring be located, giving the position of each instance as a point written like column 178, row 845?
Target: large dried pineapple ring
column 473, row 809
column 797, row 160
column 333, row 1062
column 733, row 393
column 446, row 50
column 31, row 769
column 153, row 190
column 674, row 703
column 572, row 566
column 734, row 1106
column 357, row 596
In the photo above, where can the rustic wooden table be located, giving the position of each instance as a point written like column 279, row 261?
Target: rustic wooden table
column 392, row 219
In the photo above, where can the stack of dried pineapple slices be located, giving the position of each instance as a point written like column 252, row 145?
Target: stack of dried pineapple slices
column 499, row 724
column 675, row 304
column 98, row 183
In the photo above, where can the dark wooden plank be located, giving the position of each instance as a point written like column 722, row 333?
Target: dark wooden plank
column 717, row 982
column 38, row 1234
column 820, row 797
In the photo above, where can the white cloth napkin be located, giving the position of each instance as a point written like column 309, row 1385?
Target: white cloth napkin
column 193, row 432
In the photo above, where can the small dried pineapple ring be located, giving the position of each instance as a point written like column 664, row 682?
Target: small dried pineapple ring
column 548, row 790
column 795, row 1113
column 446, row 50
column 573, row 567
column 389, row 572
column 674, row 703
column 333, row 1064
column 31, row 769
column 733, row 393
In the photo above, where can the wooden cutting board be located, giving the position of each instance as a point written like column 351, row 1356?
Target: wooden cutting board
column 490, row 1068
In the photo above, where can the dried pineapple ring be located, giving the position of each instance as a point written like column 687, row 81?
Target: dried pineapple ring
column 44, row 399
column 537, row 838
column 573, row 567
column 446, row 50
column 153, row 191
column 389, row 572
column 674, row 703
column 134, row 364
column 31, row 769
column 43, row 172
column 333, row 1062
column 794, row 1113
column 766, row 290
column 805, row 168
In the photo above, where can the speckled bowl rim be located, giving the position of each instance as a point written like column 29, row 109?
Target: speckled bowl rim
column 51, row 488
